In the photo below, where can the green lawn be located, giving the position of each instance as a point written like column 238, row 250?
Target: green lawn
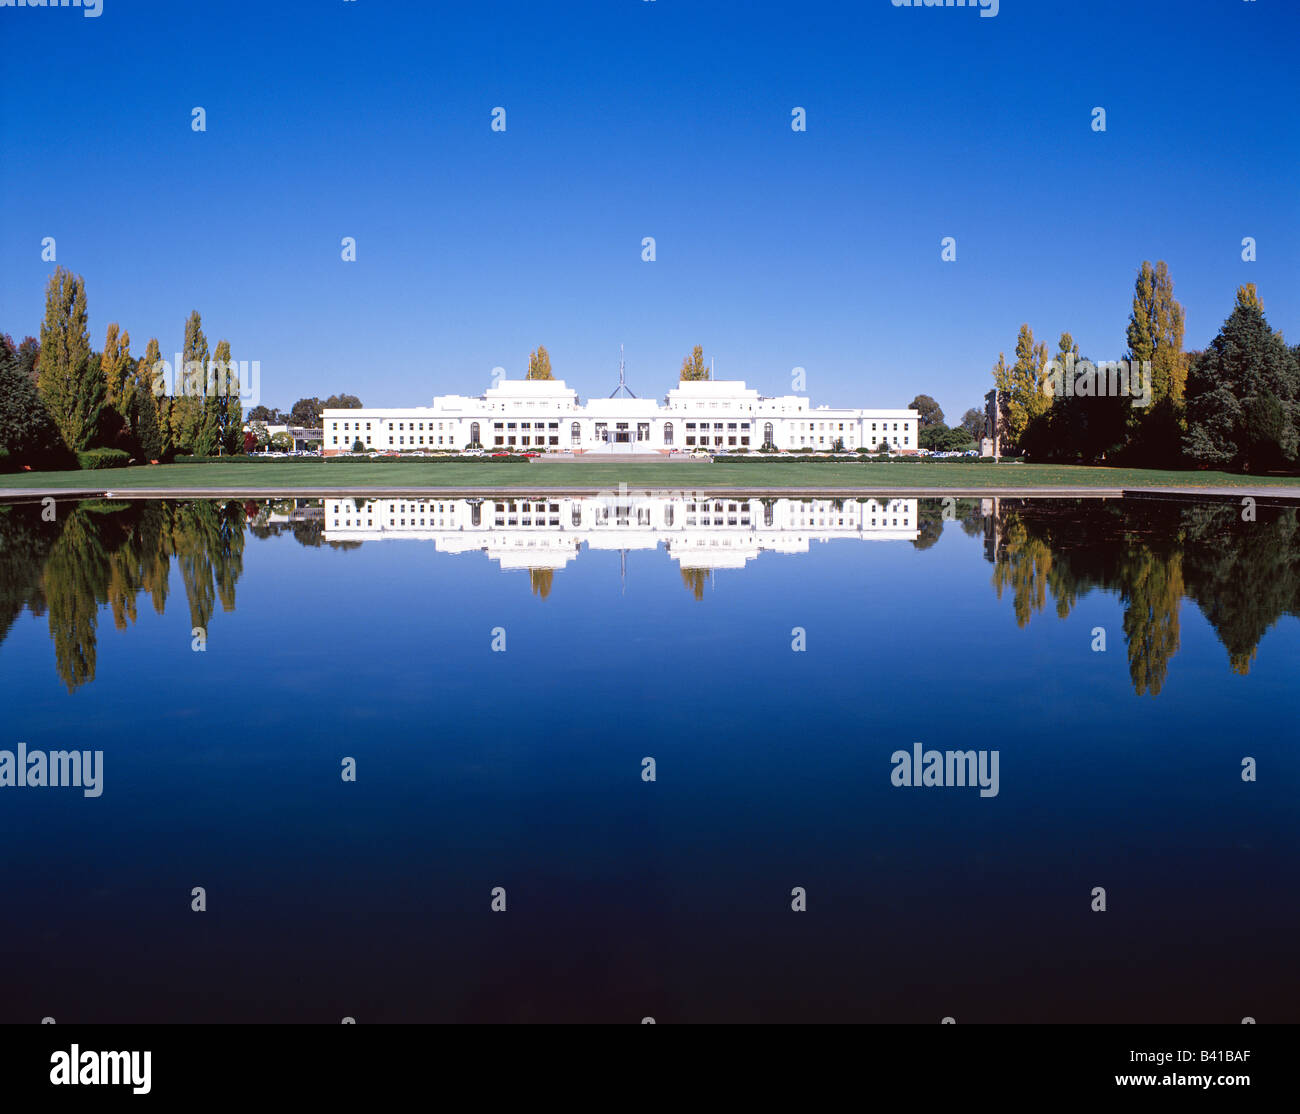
column 295, row 475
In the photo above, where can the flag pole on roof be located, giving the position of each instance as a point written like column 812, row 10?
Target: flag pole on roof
column 622, row 378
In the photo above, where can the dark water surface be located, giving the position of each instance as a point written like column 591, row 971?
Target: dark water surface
column 658, row 628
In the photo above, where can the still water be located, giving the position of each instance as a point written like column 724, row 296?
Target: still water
column 500, row 670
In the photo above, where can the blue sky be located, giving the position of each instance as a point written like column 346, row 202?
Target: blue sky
column 634, row 118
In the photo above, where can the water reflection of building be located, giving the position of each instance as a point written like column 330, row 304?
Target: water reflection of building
column 535, row 531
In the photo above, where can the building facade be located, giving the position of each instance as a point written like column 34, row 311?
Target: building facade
column 543, row 415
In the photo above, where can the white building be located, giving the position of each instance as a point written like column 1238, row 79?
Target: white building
column 701, row 531
column 543, row 415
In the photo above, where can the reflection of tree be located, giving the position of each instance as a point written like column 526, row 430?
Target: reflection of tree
column 208, row 540
column 1152, row 599
column 929, row 523
column 25, row 544
column 76, row 582
column 696, row 580
column 107, row 554
column 930, row 519
column 1243, row 575
column 541, row 581
column 1023, row 565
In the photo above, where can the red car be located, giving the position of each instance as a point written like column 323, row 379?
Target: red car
column 500, row 454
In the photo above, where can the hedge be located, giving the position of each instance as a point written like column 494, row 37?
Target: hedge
column 92, row 459
column 345, row 459
column 846, row 459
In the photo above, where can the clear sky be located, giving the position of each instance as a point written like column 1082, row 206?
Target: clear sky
column 634, row 118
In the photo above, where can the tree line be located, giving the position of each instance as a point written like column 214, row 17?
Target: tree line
column 60, row 399
column 1233, row 405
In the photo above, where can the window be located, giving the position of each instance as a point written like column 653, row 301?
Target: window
column 473, row 434
column 668, row 440
column 575, row 432
column 769, row 437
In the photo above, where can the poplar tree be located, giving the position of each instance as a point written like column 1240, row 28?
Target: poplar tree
column 144, row 421
column 116, row 363
column 1022, row 387
column 693, row 367
column 1155, row 332
column 539, row 364
column 70, row 379
column 225, row 413
column 148, row 376
column 187, row 406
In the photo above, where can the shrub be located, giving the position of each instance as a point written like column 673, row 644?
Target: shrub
column 102, row 458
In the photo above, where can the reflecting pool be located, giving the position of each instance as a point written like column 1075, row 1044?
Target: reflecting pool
column 497, row 671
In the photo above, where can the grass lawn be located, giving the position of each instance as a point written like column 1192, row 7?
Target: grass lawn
column 296, row 475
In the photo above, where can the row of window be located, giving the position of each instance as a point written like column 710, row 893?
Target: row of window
column 402, row 425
